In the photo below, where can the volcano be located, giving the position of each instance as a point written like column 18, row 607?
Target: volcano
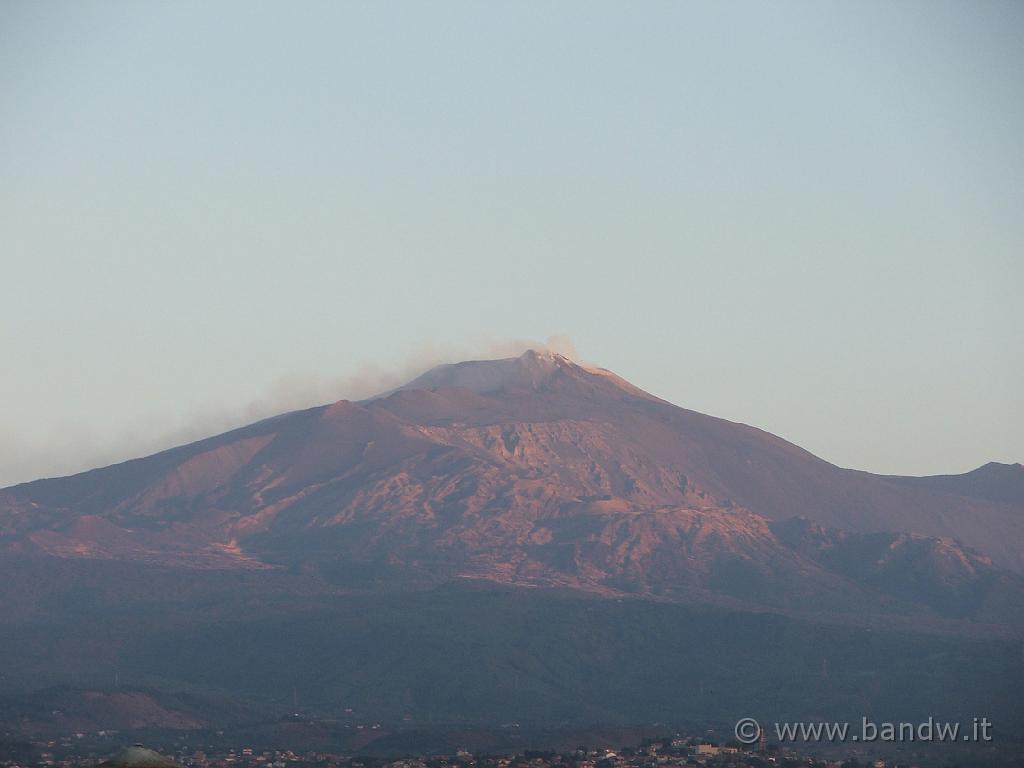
column 528, row 473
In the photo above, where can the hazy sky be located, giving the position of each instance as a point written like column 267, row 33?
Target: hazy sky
column 805, row 216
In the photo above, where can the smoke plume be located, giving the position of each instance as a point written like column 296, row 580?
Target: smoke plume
column 77, row 447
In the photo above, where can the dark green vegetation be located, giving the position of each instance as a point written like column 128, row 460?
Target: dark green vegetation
column 471, row 656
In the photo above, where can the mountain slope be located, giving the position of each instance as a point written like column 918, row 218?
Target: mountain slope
column 536, row 471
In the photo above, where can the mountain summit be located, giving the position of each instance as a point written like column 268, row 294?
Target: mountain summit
column 532, row 371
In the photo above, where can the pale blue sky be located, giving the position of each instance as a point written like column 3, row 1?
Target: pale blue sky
column 805, row 216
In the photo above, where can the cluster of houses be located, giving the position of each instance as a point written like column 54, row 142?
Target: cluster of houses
column 665, row 753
